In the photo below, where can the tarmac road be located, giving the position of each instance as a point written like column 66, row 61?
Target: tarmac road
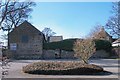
column 15, row 70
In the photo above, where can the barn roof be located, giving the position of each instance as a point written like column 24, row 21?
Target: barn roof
column 26, row 27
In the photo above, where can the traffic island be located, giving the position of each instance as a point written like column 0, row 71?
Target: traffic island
column 63, row 68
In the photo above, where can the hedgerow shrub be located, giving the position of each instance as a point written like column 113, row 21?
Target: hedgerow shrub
column 69, row 43
column 63, row 45
column 103, row 45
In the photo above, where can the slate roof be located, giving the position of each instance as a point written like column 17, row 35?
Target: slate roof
column 26, row 27
column 117, row 41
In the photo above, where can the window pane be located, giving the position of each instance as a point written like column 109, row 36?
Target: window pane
column 24, row 38
column 13, row 46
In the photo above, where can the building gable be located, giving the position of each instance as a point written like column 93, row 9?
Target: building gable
column 102, row 34
column 26, row 41
column 25, row 27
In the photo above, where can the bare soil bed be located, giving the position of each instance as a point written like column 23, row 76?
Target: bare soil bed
column 62, row 68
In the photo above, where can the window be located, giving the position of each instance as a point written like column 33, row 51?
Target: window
column 24, row 39
column 108, row 38
column 13, row 46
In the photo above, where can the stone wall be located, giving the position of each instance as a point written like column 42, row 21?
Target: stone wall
column 57, row 54
column 116, row 52
column 0, row 52
column 26, row 56
column 100, row 54
column 67, row 54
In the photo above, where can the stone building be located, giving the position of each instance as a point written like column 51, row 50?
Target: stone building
column 116, row 47
column 116, row 43
column 55, row 38
column 1, row 43
column 102, row 34
column 26, row 42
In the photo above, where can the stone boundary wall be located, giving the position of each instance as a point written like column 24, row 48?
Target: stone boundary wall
column 116, row 52
column 0, row 52
column 53, row 54
column 101, row 54
column 58, row 54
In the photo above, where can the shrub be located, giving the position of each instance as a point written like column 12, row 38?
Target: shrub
column 68, row 45
column 103, row 45
column 84, row 49
column 63, row 45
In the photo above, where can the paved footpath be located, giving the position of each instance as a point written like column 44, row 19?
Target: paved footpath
column 15, row 70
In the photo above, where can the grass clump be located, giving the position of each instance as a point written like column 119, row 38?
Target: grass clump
column 61, row 68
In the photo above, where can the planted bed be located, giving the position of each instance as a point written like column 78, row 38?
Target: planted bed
column 62, row 68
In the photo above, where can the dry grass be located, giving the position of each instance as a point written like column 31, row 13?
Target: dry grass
column 61, row 67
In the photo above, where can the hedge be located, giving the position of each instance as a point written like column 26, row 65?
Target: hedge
column 63, row 45
column 68, row 45
column 103, row 45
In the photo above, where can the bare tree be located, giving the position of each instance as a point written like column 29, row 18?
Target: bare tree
column 84, row 49
column 4, row 37
column 13, row 13
column 94, row 33
column 98, row 32
column 48, row 33
column 113, row 23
